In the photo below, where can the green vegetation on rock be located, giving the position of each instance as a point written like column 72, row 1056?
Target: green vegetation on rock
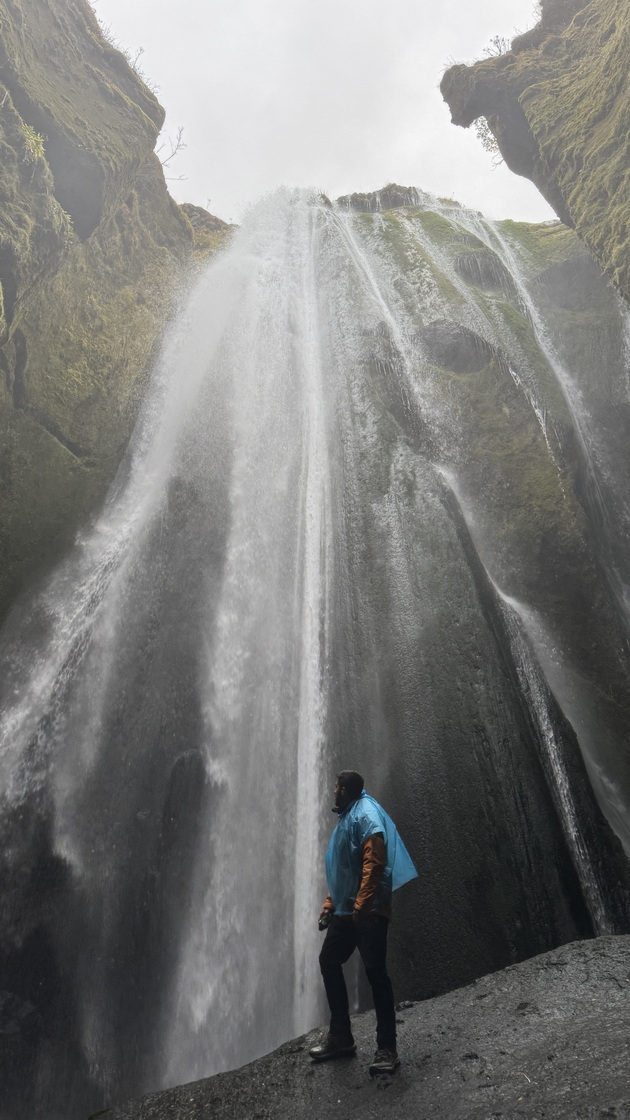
column 92, row 252
column 209, row 232
column 559, row 106
column 33, row 143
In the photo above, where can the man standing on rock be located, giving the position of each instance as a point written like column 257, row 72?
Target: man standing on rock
column 366, row 860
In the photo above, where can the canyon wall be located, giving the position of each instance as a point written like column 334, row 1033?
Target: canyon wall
column 92, row 250
column 558, row 104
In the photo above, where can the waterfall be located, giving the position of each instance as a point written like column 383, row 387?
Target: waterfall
column 184, row 666
column 554, row 761
column 264, row 681
column 605, row 495
column 303, row 564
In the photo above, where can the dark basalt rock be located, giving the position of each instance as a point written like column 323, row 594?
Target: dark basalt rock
column 485, row 270
column 99, row 120
column 388, row 198
column 17, row 1015
column 385, row 366
column 454, row 347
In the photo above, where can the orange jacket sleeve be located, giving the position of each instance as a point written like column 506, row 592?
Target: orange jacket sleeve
column 374, row 860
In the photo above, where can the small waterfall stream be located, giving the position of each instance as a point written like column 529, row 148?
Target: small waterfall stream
column 297, row 568
column 554, row 761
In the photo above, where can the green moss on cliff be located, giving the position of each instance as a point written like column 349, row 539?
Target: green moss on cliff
column 576, row 306
column 99, row 120
column 84, row 296
column 73, row 369
column 35, row 232
column 47, row 492
column 559, row 105
column 541, row 244
column 581, row 121
column 439, row 229
column 209, row 232
column 525, row 509
column 92, row 336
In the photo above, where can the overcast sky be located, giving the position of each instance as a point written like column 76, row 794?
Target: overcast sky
column 338, row 94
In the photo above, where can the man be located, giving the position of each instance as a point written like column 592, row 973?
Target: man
column 366, row 860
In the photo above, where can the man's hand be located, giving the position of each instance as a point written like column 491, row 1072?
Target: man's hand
column 325, row 918
column 361, row 918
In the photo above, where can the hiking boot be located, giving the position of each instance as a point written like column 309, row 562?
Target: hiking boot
column 334, row 1046
column 385, row 1061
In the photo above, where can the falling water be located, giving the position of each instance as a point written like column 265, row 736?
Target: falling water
column 590, row 402
column 605, row 482
column 553, row 756
column 185, row 651
column 282, row 582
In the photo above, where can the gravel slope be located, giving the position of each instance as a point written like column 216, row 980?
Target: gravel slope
column 544, row 1039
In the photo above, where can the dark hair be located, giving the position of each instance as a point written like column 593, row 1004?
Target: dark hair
column 352, row 782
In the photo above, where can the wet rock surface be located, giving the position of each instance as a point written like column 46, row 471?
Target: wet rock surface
column 567, row 287
column 547, row 1038
column 483, row 268
column 455, row 347
column 374, row 201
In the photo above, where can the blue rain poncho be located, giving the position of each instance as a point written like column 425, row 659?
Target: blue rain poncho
column 344, row 862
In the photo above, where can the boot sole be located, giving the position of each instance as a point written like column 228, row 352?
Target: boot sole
column 375, row 1070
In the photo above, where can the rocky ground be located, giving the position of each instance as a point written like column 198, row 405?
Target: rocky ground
column 546, row 1039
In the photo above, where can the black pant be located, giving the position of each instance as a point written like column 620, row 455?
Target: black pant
column 342, row 938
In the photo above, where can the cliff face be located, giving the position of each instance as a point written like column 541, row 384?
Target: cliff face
column 558, row 104
column 91, row 251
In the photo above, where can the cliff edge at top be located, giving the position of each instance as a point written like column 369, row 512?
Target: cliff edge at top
column 558, row 104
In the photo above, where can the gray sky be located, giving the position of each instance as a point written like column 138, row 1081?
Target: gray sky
column 339, row 94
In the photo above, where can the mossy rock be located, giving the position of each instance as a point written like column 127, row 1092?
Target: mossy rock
column 209, row 232
column 74, row 370
column 559, row 106
column 35, row 232
column 484, row 269
column 388, row 198
column 98, row 118
column 92, row 250
column 491, row 410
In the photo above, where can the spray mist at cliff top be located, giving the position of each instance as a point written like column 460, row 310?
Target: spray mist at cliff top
column 315, row 555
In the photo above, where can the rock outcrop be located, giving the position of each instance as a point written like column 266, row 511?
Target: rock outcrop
column 209, row 232
column 558, row 104
column 388, row 197
column 92, row 249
